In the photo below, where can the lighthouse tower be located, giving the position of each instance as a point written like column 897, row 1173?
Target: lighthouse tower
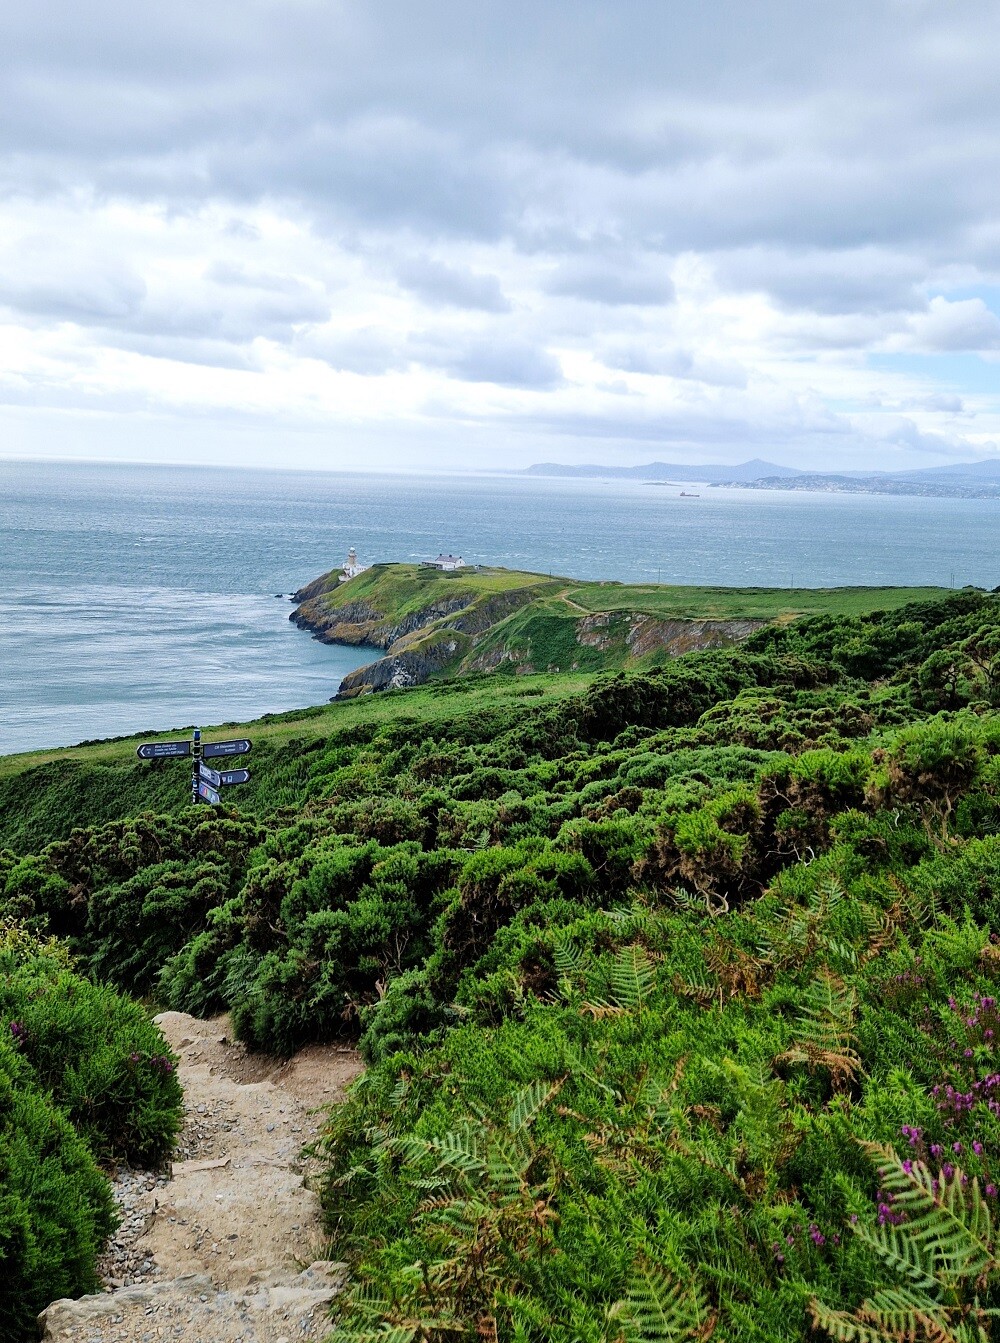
column 351, row 566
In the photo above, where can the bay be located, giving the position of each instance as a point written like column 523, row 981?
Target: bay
column 143, row 597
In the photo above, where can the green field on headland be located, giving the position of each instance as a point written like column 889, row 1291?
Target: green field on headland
column 677, row 986
column 432, row 624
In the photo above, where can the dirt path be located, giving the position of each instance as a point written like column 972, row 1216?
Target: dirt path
column 229, row 1248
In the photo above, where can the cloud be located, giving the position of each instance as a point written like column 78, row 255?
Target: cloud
column 366, row 351
column 508, row 361
column 688, row 365
column 450, row 286
column 965, row 324
column 613, row 282
column 731, row 208
column 847, row 280
column 67, row 284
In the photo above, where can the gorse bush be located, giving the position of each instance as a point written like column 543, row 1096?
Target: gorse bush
column 84, row 1076
column 678, row 993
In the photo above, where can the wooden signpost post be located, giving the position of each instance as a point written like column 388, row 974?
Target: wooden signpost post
column 206, row 782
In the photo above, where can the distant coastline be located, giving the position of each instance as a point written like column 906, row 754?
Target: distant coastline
column 963, row 488
column 964, row 480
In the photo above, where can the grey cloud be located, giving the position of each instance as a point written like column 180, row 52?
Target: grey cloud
column 85, row 289
column 366, row 351
column 614, row 282
column 688, row 365
column 865, row 279
column 836, row 157
column 451, row 286
column 183, row 350
column 507, row 361
column 685, row 126
column 967, row 324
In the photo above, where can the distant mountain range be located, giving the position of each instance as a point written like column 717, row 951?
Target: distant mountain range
column 979, row 480
column 707, row 475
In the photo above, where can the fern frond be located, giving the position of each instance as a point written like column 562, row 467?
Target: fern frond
column 900, row 1251
column 901, row 1314
column 949, row 1217
column 825, row 1033
column 659, row 1309
column 529, row 1102
column 459, row 1150
column 633, row 977
column 567, row 958
column 388, row 1333
column 847, row 1328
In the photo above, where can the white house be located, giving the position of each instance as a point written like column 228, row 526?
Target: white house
column 351, row 566
column 448, row 562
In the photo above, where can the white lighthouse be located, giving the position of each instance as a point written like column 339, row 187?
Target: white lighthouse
column 351, row 567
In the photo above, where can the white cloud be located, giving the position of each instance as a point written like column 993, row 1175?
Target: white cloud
column 966, row 324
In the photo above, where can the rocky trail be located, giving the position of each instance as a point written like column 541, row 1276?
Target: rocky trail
column 228, row 1246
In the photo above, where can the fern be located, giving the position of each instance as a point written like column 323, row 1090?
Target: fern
column 944, row 1251
column 529, row 1103
column 825, row 1034
column 659, row 1309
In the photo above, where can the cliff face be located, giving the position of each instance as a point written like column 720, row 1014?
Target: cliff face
column 360, row 623
column 431, row 626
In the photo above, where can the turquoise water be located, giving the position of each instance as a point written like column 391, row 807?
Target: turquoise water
column 141, row 597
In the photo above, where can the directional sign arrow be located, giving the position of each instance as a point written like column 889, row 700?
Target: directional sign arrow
column 209, row 794
column 230, row 776
column 214, row 748
column 210, row 775
column 162, row 750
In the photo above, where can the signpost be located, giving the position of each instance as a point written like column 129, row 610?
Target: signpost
column 214, row 748
column 163, row 750
column 205, row 781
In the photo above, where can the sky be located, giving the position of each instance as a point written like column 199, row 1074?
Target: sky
column 396, row 234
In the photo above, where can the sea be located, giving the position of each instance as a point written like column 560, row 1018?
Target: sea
column 149, row 598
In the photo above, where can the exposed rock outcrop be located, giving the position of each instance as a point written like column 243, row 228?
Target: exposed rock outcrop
column 475, row 625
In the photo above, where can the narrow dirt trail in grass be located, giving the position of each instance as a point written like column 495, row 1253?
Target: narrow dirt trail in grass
column 229, row 1248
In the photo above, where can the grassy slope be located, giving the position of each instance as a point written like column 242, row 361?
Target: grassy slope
column 104, row 780
column 399, row 590
column 542, row 634
column 697, row 603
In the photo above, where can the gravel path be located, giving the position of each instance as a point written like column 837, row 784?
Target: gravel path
column 229, row 1247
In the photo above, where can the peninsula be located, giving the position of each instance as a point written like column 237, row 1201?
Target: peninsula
column 425, row 623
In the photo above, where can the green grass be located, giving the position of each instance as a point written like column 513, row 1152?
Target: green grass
column 102, row 781
column 699, row 603
column 399, row 590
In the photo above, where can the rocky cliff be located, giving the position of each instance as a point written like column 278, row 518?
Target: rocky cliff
column 430, row 625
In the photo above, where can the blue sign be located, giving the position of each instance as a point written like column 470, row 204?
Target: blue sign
column 208, row 794
column 210, row 775
column 230, row 776
column 163, row 750
column 214, row 748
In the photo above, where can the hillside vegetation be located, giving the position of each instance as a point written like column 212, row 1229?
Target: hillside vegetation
column 678, row 987
column 434, row 624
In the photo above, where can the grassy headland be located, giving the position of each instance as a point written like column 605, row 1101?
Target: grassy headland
column 433, row 624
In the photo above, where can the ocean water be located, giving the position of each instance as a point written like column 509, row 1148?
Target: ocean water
column 144, row 597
